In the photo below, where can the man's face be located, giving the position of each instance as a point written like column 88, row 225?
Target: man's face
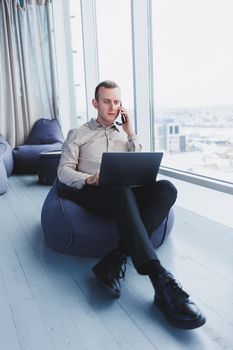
column 107, row 105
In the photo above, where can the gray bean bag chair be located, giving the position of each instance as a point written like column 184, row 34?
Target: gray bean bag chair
column 6, row 163
column 71, row 229
column 46, row 135
column 7, row 156
column 3, row 177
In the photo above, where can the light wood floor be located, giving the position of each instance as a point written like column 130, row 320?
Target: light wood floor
column 51, row 301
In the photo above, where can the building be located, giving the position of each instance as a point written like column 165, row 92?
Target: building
column 168, row 138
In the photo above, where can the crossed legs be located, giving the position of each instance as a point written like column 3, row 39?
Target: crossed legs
column 138, row 212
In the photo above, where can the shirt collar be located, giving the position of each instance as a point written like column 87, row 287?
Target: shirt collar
column 93, row 124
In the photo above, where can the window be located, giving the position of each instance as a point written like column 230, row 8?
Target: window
column 193, row 75
column 115, row 46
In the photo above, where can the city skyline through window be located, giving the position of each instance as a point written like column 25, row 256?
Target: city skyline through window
column 193, row 78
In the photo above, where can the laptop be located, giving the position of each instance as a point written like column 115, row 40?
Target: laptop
column 129, row 168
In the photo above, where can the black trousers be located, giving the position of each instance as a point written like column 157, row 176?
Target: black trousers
column 138, row 211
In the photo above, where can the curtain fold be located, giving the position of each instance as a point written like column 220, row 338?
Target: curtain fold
column 27, row 72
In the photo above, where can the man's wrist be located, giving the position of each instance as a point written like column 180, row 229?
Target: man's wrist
column 131, row 137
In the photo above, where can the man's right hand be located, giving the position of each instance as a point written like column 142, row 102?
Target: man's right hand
column 93, row 179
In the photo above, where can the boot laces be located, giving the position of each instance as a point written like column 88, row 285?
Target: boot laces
column 119, row 267
column 175, row 291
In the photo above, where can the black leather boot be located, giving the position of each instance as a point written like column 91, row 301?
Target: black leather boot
column 175, row 304
column 109, row 270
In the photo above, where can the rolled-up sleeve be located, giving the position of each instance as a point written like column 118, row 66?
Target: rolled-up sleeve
column 67, row 170
column 134, row 144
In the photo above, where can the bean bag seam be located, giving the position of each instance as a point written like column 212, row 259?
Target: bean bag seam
column 69, row 223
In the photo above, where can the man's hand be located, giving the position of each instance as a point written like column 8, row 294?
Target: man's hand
column 127, row 125
column 93, row 179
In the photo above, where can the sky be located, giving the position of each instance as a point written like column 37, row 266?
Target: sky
column 193, row 50
column 193, row 44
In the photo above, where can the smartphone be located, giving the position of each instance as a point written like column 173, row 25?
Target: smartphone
column 122, row 118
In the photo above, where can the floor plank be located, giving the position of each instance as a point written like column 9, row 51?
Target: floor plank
column 60, row 292
column 8, row 334
column 51, row 301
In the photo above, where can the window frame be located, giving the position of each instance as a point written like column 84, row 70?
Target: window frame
column 142, row 78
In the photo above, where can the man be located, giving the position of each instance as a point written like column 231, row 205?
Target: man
column 138, row 211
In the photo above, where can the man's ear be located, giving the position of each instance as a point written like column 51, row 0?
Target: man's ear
column 95, row 103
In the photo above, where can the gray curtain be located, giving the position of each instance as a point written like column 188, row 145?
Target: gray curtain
column 27, row 79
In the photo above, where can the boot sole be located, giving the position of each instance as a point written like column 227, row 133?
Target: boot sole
column 188, row 325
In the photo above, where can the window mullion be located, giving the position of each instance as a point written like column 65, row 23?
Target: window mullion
column 143, row 71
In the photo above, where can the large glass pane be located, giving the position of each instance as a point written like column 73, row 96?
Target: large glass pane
column 193, row 75
column 77, row 59
column 115, row 46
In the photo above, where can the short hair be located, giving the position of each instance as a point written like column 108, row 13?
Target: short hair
column 107, row 84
